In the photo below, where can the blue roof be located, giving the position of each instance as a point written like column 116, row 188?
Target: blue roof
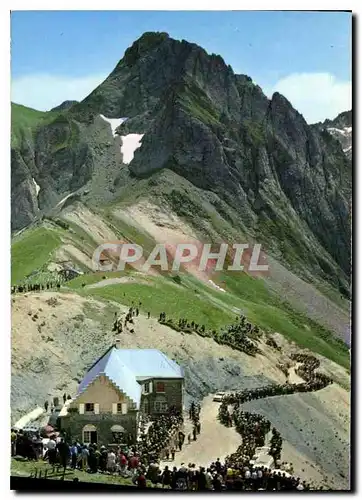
column 124, row 366
column 149, row 363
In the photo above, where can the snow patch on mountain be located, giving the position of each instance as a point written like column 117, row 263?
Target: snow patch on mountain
column 344, row 136
column 345, row 131
column 37, row 187
column 114, row 123
column 130, row 143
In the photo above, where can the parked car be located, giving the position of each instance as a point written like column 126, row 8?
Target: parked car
column 219, row 396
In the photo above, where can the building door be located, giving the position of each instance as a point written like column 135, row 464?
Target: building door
column 94, row 437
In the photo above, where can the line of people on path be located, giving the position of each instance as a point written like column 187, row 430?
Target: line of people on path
column 253, row 427
column 121, row 321
column 165, row 433
column 35, row 287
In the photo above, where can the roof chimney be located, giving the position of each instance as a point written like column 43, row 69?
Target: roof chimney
column 117, row 343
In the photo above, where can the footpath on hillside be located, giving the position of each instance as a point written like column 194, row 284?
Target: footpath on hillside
column 214, row 441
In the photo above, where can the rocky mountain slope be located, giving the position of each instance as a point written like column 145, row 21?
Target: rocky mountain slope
column 341, row 129
column 256, row 162
column 64, row 105
column 174, row 146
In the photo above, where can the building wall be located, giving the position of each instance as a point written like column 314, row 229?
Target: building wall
column 101, row 391
column 74, row 423
column 173, row 394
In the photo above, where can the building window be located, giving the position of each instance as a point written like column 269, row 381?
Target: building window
column 89, row 407
column 160, row 405
column 90, row 434
column 147, row 387
column 87, row 437
column 160, row 387
column 122, row 408
column 146, row 407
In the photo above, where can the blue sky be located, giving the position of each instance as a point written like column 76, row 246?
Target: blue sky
column 58, row 55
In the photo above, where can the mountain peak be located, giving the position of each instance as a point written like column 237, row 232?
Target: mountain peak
column 148, row 41
column 344, row 119
column 64, row 105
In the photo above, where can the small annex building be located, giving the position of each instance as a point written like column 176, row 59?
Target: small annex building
column 120, row 386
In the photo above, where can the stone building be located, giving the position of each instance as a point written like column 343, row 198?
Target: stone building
column 120, row 386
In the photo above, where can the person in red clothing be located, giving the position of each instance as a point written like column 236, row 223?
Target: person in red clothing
column 134, row 462
column 122, row 460
column 141, row 481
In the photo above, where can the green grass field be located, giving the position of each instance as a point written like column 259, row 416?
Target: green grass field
column 24, row 120
column 264, row 308
column 198, row 302
column 176, row 301
column 25, row 469
column 31, row 251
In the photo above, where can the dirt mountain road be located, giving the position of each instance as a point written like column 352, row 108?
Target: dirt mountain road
column 214, row 441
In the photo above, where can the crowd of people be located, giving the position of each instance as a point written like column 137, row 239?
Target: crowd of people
column 121, row 322
column 182, row 324
column 220, row 476
column 143, row 469
column 237, row 335
column 26, row 444
column 254, row 427
column 163, row 438
column 307, row 370
column 194, row 416
column 54, row 281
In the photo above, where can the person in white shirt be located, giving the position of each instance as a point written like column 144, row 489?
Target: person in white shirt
column 52, row 452
column 51, row 445
column 111, row 461
column 208, row 479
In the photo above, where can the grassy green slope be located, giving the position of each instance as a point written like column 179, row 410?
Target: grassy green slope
column 31, row 251
column 159, row 294
column 25, row 120
column 264, row 308
column 191, row 299
column 25, row 469
column 198, row 302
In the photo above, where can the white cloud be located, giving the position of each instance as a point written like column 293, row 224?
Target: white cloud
column 316, row 96
column 43, row 91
